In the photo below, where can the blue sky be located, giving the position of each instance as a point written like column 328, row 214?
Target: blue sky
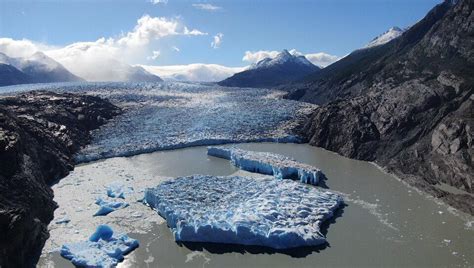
column 335, row 27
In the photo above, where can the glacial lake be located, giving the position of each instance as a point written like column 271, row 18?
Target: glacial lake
column 385, row 222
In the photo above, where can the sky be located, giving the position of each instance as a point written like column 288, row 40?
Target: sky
column 179, row 32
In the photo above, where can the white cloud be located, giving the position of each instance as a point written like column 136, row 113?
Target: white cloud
column 156, row 2
column 216, row 43
column 192, row 32
column 155, row 55
column 194, row 72
column 257, row 56
column 152, row 28
column 175, row 49
column 19, row 48
column 207, row 7
column 320, row 59
column 104, row 59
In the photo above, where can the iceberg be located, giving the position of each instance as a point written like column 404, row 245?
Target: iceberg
column 63, row 220
column 117, row 190
column 102, row 250
column 279, row 214
column 107, row 207
column 281, row 167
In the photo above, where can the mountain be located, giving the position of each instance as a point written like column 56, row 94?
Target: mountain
column 270, row 72
column 139, row 74
column 386, row 37
column 40, row 68
column 10, row 75
column 196, row 72
column 107, row 69
column 406, row 104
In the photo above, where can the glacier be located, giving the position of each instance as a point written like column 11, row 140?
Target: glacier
column 173, row 115
column 279, row 214
column 104, row 249
column 281, row 167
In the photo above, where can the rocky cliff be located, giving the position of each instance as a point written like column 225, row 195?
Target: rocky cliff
column 406, row 105
column 39, row 133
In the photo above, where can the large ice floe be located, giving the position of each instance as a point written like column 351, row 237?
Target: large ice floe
column 171, row 115
column 281, row 167
column 249, row 211
column 103, row 249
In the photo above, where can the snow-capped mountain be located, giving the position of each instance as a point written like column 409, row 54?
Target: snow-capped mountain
column 38, row 68
column 269, row 72
column 386, row 37
column 283, row 57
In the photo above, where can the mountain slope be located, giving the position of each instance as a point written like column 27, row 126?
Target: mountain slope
column 269, row 72
column 407, row 104
column 40, row 68
column 139, row 74
column 43, row 69
column 10, row 75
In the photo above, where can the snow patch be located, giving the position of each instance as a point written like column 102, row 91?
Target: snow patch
column 386, row 37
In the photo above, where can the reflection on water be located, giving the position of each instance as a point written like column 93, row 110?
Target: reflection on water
column 385, row 223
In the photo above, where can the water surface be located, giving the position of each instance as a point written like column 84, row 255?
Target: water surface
column 385, row 223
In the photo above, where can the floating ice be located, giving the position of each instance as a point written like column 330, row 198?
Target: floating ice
column 240, row 210
column 117, row 190
column 102, row 250
column 62, row 220
column 107, row 207
column 277, row 165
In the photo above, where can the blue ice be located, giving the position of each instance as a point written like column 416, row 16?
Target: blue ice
column 240, row 210
column 107, row 207
column 277, row 165
column 104, row 249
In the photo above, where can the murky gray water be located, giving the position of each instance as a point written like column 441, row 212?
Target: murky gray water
column 385, row 223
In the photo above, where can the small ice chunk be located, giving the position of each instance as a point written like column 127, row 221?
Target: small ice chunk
column 447, row 241
column 241, row 210
column 107, row 207
column 117, row 190
column 102, row 250
column 62, row 220
column 277, row 165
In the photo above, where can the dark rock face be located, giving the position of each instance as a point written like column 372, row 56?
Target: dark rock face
column 268, row 72
column 39, row 133
column 407, row 105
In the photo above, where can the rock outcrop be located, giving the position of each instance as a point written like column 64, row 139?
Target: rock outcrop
column 407, row 105
column 39, row 133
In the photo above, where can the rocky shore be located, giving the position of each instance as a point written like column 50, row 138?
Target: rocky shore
column 407, row 105
column 39, row 133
